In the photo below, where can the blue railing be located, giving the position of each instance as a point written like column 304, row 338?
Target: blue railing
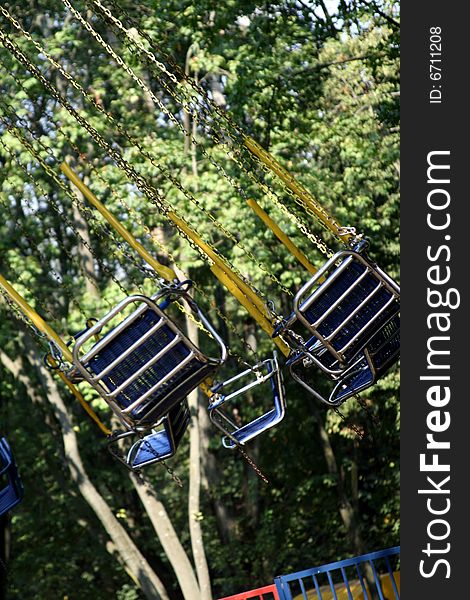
column 368, row 577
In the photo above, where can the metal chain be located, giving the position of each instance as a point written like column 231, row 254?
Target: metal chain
column 100, row 140
column 221, row 315
column 200, row 291
column 169, row 470
column 71, row 295
column 152, row 194
column 204, row 114
column 45, row 309
column 143, row 477
column 247, row 457
column 20, row 136
column 140, row 181
column 172, row 474
column 252, row 464
column 97, row 226
column 362, row 403
column 21, row 317
column 209, row 112
column 349, row 424
column 164, row 171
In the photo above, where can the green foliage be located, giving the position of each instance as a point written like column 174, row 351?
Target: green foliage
column 321, row 93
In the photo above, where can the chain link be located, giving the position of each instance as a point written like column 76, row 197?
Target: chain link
column 349, row 424
column 363, row 404
column 152, row 194
column 247, row 457
column 103, row 144
column 209, row 112
column 29, row 146
column 69, row 292
column 200, row 291
column 164, row 171
column 12, row 306
column 18, row 133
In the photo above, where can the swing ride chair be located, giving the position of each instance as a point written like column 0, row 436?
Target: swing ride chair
column 12, row 493
column 161, row 443
column 238, row 435
column 144, row 367
column 348, row 318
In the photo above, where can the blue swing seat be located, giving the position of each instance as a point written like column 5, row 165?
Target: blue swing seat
column 342, row 314
column 240, row 435
column 144, row 366
column 11, row 491
column 382, row 352
column 158, row 445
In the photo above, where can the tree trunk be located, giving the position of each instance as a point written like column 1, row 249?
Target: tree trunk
column 168, row 538
column 210, row 477
column 134, row 562
column 346, row 508
column 194, row 513
column 85, row 256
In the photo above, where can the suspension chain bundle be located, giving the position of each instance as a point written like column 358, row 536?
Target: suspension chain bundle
column 253, row 162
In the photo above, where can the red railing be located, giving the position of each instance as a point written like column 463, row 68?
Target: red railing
column 269, row 592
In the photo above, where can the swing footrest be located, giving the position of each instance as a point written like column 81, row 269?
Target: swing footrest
column 11, row 488
column 235, row 434
column 143, row 366
column 159, row 444
column 342, row 314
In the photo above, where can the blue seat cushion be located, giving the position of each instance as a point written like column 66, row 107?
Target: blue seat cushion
column 384, row 352
column 11, row 488
column 254, row 428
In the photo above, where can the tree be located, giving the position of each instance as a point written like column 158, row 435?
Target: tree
column 319, row 89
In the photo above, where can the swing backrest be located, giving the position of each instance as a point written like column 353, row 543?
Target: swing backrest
column 145, row 365
column 11, row 488
column 341, row 315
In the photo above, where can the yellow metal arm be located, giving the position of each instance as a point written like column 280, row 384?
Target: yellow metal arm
column 35, row 318
column 298, row 189
column 281, row 236
column 165, row 272
column 234, row 284
column 54, row 337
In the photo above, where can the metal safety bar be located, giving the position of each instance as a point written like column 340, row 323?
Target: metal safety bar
column 343, row 327
column 144, row 365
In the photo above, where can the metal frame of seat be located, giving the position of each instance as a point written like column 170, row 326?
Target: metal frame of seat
column 342, row 314
column 145, row 365
column 236, row 435
column 13, row 492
